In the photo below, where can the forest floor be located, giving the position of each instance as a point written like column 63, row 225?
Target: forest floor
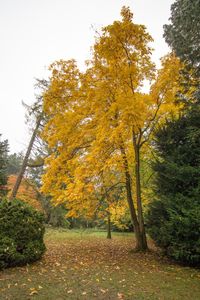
column 85, row 265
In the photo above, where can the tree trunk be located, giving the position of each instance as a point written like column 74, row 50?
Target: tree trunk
column 25, row 161
column 109, row 227
column 138, row 235
column 138, row 195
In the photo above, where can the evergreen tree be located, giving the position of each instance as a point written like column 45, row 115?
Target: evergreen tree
column 14, row 162
column 183, row 33
column 3, row 166
column 173, row 218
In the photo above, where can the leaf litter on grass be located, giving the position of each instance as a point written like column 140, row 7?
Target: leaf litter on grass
column 97, row 268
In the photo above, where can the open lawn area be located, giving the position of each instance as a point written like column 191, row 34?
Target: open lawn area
column 85, row 265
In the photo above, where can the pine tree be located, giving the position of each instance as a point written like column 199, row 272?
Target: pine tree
column 3, row 167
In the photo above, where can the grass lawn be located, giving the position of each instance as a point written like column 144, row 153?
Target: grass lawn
column 85, row 265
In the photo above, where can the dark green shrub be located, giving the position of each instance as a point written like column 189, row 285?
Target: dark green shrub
column 175, row 228
column 21, row 234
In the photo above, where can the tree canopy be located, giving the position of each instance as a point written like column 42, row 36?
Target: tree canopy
column 99, row 120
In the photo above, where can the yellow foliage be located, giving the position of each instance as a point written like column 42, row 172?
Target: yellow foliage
column 93, row 115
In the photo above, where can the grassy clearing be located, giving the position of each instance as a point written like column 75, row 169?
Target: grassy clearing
column 84, row 265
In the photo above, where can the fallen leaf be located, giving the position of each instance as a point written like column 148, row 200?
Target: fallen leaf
column 33, row 291
column 120, row 296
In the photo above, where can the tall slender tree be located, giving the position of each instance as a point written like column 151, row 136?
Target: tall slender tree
column 36, row 115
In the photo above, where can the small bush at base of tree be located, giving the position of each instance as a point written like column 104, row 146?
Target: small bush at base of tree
column 21, row 234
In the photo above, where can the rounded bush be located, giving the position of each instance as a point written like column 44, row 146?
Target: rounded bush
column 21, row 234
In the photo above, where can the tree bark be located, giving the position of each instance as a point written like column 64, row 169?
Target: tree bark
column 109, row 227
column 25, row 161
column 138, row 195
column 138, row 235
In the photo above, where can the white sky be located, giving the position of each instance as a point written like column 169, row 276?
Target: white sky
column 34, row 33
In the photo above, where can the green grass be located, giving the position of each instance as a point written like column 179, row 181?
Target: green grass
column 83, row 264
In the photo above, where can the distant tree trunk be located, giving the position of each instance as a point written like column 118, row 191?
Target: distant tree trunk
column 25, row 160
column 109, row 227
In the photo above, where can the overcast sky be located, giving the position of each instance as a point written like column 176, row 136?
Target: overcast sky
column 34, row 33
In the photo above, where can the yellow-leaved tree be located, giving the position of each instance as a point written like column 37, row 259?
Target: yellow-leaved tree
column 100, row 120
